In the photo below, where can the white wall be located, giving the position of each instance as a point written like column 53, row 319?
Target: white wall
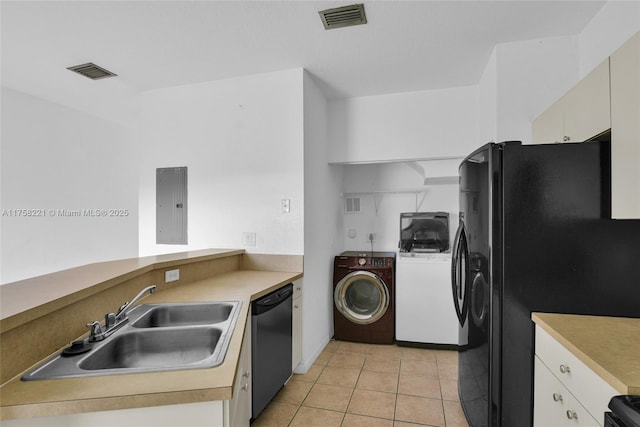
column 425, row 124
column 54, row 158
column 380, row 188
column 488, row 101
column 322, row 225
column 242, row 142
column 530, row 74
column 614, row 24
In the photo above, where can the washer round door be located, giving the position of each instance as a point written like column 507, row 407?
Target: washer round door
column 362, row 297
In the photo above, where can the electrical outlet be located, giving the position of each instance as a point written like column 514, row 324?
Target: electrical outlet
column 249, row 239
column 286, row 205
column 172, row 275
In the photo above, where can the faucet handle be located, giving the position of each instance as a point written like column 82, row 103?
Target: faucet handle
column 109, row 320
column 95, row 327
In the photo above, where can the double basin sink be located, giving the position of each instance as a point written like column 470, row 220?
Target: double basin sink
column 157, row 337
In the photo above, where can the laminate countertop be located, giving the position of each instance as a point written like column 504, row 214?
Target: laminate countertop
column 20, row 399
column 610, row 346
column 27, row 299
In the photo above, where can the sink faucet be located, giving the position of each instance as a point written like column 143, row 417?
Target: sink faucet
column 113, row 321
column 121, row 315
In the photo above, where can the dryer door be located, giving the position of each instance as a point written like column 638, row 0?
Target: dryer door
column 362, row 297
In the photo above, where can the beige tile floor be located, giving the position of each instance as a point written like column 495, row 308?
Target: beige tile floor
column 369, row 385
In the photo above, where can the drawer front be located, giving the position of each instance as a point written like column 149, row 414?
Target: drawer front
column 587, row 386
column 554, row 405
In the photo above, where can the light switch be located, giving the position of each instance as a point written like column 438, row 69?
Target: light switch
column 249, row 239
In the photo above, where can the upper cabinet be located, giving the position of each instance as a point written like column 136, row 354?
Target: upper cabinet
column 607, row 98
column 625, row 130
column 580, row 114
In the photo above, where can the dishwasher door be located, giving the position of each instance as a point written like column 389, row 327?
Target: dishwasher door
column 271, row 346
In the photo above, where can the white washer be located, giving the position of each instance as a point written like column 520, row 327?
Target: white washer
column 424, row 303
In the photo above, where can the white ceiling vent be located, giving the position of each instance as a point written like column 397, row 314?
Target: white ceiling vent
column 92, row 71
column 345, row 16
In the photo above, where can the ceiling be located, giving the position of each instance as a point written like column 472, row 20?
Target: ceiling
column 405, row 46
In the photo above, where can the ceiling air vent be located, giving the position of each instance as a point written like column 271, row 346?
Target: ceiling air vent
column 345, row 16
column 92, row 71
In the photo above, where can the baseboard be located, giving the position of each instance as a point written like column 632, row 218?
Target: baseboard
column 304, row 366
column 432, row 346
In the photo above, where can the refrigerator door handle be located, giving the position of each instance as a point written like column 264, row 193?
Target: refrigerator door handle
column 460, row 274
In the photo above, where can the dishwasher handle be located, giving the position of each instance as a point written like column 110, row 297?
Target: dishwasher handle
column 272, row 300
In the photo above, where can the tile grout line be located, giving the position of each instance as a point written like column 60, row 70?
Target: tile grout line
column 444, row 415
column 352, row 391
column 366, row 356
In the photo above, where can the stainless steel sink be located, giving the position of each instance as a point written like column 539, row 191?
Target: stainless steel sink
column 158, row 337
column 167, row 315
column 154, row 349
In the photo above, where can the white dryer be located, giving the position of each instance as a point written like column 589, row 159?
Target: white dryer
column 424, row 306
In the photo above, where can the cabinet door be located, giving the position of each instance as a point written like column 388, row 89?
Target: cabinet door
column 549, row 126
column 582, row 113
column 586, row 106
column 625, row 130
column 238, row 409
column 296, row 356
column 202, row 414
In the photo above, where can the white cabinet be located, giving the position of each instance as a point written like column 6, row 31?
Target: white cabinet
column 625, row 130
column 607, row 98
column 237, row 411
column 203, row 414
column 297, row 325
column 553, row 403
column 549, row 126
column 580, row 114
column 567, row 392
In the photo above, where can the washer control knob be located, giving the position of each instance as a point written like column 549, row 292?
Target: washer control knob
column 362, row 261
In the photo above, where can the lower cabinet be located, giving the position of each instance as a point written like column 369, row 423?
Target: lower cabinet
column 203, row 414
column 567, row 392
column 296, row 356
column 553, row 403
column 237, row 411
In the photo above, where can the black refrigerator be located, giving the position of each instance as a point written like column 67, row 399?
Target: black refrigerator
column 534, row 234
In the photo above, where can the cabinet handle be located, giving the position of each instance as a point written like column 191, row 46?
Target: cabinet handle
column 296, row 306
column 565, row 369
column 572, row 415
column 557, row 397
column 246, row 387
column 299, row 288
column 566, row 138
column 246, row 374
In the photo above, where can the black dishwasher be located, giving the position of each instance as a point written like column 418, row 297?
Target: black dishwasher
column 271, row 335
